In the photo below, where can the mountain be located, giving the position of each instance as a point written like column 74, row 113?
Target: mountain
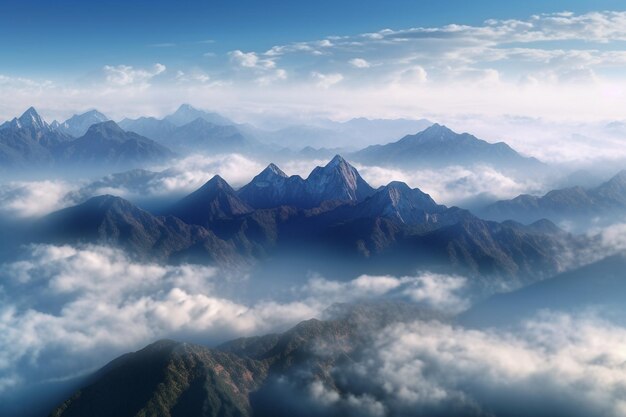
column 202, row 135
column 78, row 124
column 149, row 127
column 30, row 119
column 399, row 202
column 237, row 378
column 599, row 286
column 273, row 188
column 332, row 134
column 187, row 114
column 336, row 181
column 115, row 221
column 338, row 223
column 169, row 379
column 214, row 200
column 107, row 143
column 28, row 140
column 439, row 146
column 190, row 130
column 574, row 204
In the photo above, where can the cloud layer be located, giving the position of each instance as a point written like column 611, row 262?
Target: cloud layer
column 69, row 307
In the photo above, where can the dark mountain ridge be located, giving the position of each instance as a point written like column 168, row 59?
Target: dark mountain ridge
column 340, row 219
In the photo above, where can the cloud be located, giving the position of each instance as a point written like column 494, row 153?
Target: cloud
column 455, row 185
column 251, row 60
column 359, row 63
column 445, row 293
column 192, row 76
column 125, row 75
column 553, row 363
column 80, row 304
column 325, row 81
column 413, row 75
column 33, row 198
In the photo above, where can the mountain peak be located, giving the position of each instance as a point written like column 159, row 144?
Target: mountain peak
column 30, row 118
column 337, row 160
column 186, row 114
column 105, row 128
column 214, row 200
column 437, row 129
column 217, row 182
column 338, row 180
column 185, row 108
column 273, row 170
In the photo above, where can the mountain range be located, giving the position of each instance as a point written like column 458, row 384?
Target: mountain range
column 438, row 146
column 237, row 378
column 334, row 215
column 189, row 129
column 28, row 141
column 78, row 124
column 573, row 204
column 270, row 375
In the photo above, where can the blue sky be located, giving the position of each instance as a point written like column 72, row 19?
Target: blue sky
column 343, row 59
column 63, row 38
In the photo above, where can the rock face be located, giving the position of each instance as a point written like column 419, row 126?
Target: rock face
column 337, row 181
column 575, row 203
column 439, row 146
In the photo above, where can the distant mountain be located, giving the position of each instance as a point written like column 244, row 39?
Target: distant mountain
column 202, row 135
column 29, row 140
column 238, row 378
column 30, row 120
column 191, row 130
column 575, row 203
column 187, row 114
column 78, row 124
column 108, row 144
column 149, row 127
column 599, row 287
column 439, row 146
column 337, row 181
column 339, row 135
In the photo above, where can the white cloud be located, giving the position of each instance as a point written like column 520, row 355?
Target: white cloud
column 325, row 81
column 251, row 60
column 89, row 303
column 557, row 362
column 416, row 74
column 554, row 363
column 125, row 75
column 359, row 63
column 445, row 293
column 454, row 185
column 33, row 198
